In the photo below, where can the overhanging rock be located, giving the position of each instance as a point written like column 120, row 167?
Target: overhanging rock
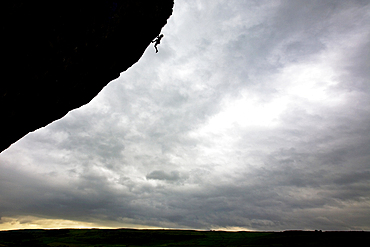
column 58, row 55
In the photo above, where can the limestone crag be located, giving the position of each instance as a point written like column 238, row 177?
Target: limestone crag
column 58, row 55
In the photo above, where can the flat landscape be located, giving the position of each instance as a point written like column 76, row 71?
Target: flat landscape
column 132, row 237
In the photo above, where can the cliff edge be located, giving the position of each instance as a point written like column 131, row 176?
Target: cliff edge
column 58, row 55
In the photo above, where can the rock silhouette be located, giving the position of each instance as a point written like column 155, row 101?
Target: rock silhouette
column 58, row 55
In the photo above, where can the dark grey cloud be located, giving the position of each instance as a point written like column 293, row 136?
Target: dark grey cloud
column 254, row 114
column 173, row 176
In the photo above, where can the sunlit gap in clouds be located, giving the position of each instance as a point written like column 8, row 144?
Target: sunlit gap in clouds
column 311, row 82
column 33, row 222
column 248, row 111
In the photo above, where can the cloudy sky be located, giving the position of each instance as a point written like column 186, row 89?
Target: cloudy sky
column 254, row 115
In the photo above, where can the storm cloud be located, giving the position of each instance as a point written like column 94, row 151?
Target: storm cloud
column 252, row 115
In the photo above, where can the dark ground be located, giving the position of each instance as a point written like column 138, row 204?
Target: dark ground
column 130, row 237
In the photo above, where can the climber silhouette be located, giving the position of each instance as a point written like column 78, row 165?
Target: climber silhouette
column 157, row 42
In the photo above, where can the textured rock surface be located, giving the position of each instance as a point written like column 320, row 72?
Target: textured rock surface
column 58, row 55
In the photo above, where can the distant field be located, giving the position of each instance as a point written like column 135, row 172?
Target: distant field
column 130, row 237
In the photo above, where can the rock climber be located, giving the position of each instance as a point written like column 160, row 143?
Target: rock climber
column 157, row 42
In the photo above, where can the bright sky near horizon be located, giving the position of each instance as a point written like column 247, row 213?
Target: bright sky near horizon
column 253, row 115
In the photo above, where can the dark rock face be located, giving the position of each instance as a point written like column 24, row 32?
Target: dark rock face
column 58, row 55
